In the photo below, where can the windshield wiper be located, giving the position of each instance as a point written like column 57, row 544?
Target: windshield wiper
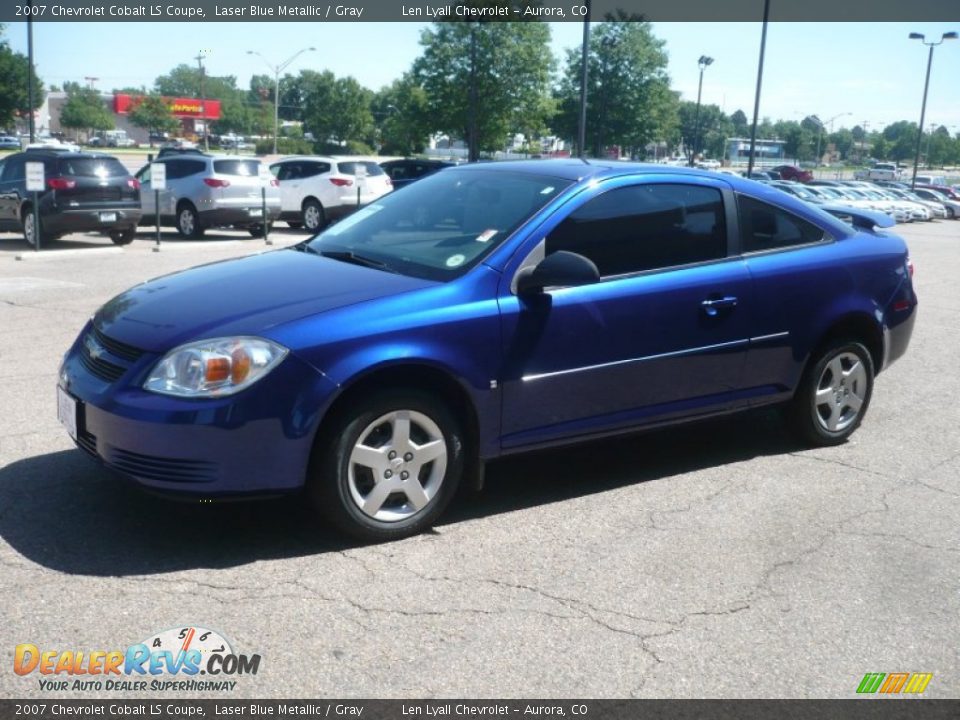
column 305, row 247
column 352, row 257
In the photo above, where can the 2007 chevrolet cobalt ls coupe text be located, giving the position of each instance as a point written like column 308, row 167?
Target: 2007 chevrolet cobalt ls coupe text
column 486, row 310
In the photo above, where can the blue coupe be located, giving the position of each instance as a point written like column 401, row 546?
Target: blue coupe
column 488, row 309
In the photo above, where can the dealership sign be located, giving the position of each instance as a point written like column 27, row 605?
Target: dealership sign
column 179, row 107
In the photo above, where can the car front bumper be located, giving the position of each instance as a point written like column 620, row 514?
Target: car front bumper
column 256, row 442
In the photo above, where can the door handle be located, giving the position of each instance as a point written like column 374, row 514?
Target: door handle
column 713, row 306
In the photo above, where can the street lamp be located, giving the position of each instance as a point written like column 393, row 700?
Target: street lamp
column 203, row 99
column 704, row 62
column 277, row 69
column 926, row 86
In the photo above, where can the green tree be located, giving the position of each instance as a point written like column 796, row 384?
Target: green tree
column 185, row 81
column 485, row 80
column 152, row 113
column 402, row 116
column 14, row 70
column 842, row 140
column 741, row 124
column 629, row 98
column 84, row 109
column 714, row 128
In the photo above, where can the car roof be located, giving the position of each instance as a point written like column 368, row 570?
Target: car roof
column 297, row 158
column 575, row 169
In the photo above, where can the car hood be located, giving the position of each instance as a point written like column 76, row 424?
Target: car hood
column 241, row 297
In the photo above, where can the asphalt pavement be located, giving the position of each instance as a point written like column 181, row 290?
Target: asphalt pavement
column 716, row 560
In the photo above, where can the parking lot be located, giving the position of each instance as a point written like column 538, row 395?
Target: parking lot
column 717, row 560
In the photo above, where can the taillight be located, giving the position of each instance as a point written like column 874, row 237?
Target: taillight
column 217, row 182
column 274, row 182
column 389, row 182
column 909, row 266
column 133, row 183
column 59, row 183
column 341, row 182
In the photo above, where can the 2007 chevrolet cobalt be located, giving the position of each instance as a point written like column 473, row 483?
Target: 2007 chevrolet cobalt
column 485, row 310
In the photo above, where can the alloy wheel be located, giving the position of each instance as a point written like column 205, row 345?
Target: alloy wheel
column 840, row 392
column 397, row 465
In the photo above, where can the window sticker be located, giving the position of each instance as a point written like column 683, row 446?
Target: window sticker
column 486, row 235
column 455, row 260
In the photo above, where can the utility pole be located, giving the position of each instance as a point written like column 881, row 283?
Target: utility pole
column 203, row 100
column 30, row 72
column 584, row 76
column 472, row 140
column 756, row 99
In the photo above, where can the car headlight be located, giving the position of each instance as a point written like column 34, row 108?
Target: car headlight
column 214, row 368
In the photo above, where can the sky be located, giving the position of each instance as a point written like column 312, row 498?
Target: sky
column 855, row 72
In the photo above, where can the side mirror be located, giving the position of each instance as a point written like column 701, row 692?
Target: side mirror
column 559, row 269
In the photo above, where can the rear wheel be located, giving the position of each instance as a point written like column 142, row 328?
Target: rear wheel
column 123, row 237
column 834, row 393
column 313, row 216
column 188, row 222
column 389, row 467
column 30, row 229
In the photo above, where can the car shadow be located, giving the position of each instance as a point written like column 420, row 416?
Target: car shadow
column 65, row 512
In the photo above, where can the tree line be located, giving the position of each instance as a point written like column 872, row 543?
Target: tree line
column 484, row 83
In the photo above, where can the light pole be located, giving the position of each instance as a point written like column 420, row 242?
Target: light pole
column 584, row 73
column 704, row 62
column 277, row 69
column 929, row 137
column 203, row 99
column 926, row 86
column 756, row 97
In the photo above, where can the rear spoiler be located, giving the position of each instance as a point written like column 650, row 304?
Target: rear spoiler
column 858, row 217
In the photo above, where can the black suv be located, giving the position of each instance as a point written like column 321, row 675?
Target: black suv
column 404, row 172
column 84, row 192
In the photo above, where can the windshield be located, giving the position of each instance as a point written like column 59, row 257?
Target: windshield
column 440, row 226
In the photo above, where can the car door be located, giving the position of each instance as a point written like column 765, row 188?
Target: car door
column 663, row 333
column 289, row 176
column 12, row 186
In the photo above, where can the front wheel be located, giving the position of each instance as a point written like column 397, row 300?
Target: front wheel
column 389, row 467
column 834, row 394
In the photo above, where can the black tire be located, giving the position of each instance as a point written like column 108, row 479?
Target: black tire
column 188, row 222
column 823, row 409
column 313, row 215
column 337, row 486
column 257, row 230
column 294, row 225
column 123, row 237
column 26, row 222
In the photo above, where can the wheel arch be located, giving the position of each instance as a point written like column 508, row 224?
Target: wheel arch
column 419, row 376
column 858, row 326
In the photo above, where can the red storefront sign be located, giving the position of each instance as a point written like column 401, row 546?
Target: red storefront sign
column 179, row 107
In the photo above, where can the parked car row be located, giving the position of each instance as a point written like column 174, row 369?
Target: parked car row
column 891, row 198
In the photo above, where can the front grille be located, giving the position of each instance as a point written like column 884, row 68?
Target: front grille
column 99, row 367
column 163, row 469
column 117, row 348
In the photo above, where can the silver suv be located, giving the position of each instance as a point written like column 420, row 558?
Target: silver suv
column 210, row 191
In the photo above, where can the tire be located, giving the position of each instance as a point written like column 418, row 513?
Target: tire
column 314, row 218
column 188, row 222
column 123, row 237
column 27, row 222
column 294, row 225
column 374, row 481
column 834, row 394
column 257, row 230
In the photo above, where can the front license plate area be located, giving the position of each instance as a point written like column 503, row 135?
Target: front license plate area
column 67, row 411
column 256, row 212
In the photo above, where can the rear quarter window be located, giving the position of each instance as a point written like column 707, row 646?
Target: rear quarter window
column 242, row 168
column 767, row 227
column 350, row 167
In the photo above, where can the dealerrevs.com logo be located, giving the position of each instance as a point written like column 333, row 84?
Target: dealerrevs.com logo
column 894, row 683
column 190, row 659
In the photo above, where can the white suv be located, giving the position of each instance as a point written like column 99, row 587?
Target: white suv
column 316, row 190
